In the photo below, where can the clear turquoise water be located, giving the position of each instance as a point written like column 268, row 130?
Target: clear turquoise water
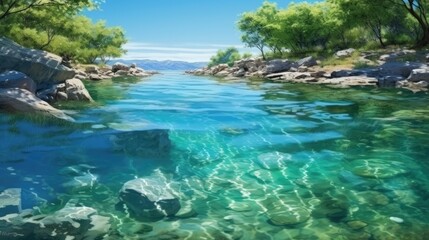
column 254, row 159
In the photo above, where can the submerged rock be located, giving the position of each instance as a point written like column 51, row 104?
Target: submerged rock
column 41, row 66
column 23, row 101
column 378, row 168
column 285, row 216
column 153, row 143
column 10, row 201
column 149, row 199
column 356, row 225
column 70, row 222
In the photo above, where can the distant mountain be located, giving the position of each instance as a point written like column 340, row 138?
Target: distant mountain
column 147, row 64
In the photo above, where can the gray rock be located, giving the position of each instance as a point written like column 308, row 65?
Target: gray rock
column 62, row 96
column 399, row 68
column 149, row 198
column 413, row 86
column 76, row 90
column 347, row 73
column 417, row 75
column 120, row 66
column 153, row 143
column 23, row 101
column 278, row 65
column 307, row 62
column 14, row 79
column 240, row 73
column 95, row 77
column 344, row 53
column 10, row 201
column 71, row 222
column 48, row 94
column 389, row 81
column 41, row 66
column 121, row 73
column 351, row 81
column 133, row 65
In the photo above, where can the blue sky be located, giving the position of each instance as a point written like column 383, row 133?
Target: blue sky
column 189, row 30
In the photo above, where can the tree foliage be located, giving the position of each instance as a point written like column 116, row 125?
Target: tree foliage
column 333, row 24
column 227, row 56
column 57, row 27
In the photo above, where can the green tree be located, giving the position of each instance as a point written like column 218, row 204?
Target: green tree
column 418, row 9
column 227, row 56
column 305, row 26
column 12, row 7
column 258, row 28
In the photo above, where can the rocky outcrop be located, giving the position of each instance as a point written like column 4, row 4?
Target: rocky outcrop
column 14, row 79
column 23, row 101
column 41, row 66
column 117, row 70
column 149, row 199
column 279, row 65
column 389, row 74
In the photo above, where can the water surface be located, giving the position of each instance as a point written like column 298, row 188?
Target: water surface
column 254, row 159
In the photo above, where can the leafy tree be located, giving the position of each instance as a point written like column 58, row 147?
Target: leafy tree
column 12, row 7
column 227, row 56
column 71, row 36
column 418, row 9
column 258, row 28
column 305, row 26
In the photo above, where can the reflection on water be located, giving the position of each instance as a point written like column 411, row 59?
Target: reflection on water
column 246, row 159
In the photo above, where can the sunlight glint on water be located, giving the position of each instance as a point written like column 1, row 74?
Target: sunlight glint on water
column 254, row 160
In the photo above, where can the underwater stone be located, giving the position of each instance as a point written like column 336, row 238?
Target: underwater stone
column 10, row 201
column 396, row 219
column 378, row 168
column 285, row 216
column 356, row 225
column 149, row 198
column 154, row 143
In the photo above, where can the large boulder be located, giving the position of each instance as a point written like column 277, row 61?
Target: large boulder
column 23, row 101
column 307, row 62
column 345, row 53
column 120, row 66
column 14, row 79
column 399, row 68
column 149, row 199
column 76, row 90
column 41, row 66
column 278, row 65
column 420, row 74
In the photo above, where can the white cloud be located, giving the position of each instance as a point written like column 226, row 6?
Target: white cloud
column 191, row 52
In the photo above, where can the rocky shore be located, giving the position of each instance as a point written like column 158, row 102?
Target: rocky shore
column 31, row 79
column 389, row 73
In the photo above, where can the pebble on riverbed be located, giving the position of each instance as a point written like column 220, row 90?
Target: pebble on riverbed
column 396, row 219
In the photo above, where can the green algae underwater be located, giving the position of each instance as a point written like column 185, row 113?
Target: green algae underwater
column 247, row 159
